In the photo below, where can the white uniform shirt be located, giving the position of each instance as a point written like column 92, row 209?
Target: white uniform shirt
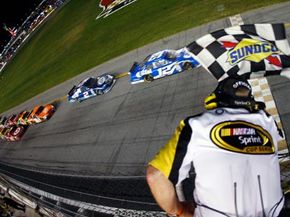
column 234, row 154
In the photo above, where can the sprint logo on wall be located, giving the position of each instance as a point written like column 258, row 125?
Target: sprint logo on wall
column 111, row 6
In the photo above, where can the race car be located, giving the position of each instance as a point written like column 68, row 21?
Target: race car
column 12, row 120
column 3, row 131
column 40, row 114
column 161, row 64
column 3, row 121
column 15, row 133
column 91, row 87
column 22, row 118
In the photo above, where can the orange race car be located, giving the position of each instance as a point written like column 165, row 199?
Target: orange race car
column 40, row 114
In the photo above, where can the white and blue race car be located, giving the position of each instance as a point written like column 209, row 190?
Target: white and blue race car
column 161, row 64
column 91, row 87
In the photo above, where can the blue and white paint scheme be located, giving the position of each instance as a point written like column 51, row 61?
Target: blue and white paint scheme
column 91, row 87
column 161, row 64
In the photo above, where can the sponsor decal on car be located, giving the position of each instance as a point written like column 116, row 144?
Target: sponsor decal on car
column 111, row 6
column 17, row 130
column 242, row 137
column 252, row 50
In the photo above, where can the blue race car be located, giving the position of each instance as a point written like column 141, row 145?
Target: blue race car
column 91, row 87
column 161, row 64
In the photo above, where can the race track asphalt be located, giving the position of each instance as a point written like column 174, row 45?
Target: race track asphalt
column 116, row 134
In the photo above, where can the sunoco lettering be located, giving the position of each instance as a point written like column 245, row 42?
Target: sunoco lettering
column 251, row 139
column 242, row 52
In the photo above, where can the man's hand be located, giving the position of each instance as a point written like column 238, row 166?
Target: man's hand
column 164, row 193
column 188, row 210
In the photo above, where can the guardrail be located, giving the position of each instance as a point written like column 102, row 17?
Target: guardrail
column 15, row 193
column 55, row 206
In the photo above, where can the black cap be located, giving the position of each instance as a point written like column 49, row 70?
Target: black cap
column 234, row 92
column 235, row 88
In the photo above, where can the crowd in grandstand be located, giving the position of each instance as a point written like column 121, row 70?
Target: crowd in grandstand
column 42, row 11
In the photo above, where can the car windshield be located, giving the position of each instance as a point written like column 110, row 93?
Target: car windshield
column 141, row 64
column 3, row 120
column 72, row 91
column 25, row 115
column 12, row 117
column 134, row 67
column 39, row 110
column 147, row 58
column 90, row 83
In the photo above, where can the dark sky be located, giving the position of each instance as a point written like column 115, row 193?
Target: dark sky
column 13, row 13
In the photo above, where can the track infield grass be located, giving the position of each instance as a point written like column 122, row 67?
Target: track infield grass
column 72, row 41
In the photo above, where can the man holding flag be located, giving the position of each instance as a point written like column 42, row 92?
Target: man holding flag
column 231, row 150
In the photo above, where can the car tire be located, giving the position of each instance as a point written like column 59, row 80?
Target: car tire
column 148, row 78
column 187, row 66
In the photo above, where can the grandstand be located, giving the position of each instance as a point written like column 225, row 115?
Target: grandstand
column 31, row 23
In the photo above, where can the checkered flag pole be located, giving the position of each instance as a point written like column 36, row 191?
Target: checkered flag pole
column 253, row 50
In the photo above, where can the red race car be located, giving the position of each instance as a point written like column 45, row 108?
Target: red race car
column 15, row 133
column 12, row 120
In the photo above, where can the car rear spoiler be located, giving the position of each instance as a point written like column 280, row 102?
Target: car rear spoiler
column 71, row 92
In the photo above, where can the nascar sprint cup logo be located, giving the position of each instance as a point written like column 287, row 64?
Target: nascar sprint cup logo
column 242, row 137
column 111, row 6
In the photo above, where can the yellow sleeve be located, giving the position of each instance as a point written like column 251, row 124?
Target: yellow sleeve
column 163, row 160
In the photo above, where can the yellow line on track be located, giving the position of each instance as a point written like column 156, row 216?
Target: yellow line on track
column 59, row 99
column 287, row 24
column 121, row 75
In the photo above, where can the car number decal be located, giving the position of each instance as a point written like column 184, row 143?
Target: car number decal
column 16, row 131
column 169, row 70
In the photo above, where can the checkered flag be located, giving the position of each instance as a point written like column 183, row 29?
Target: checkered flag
column 253, row 50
